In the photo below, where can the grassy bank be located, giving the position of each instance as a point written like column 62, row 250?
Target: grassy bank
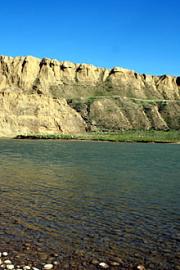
column 172, row 136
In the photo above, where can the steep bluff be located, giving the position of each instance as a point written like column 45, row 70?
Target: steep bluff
column 45, row 95
column 20, row 114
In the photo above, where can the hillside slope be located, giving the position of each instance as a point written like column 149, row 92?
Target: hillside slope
column 45, row 95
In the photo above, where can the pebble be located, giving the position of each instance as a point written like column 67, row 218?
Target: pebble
column 7, row 262
column 35, row 268
column 4, row 253
column 95, row 262
column 104, row 265
column 43, row 256
column 55, row 255
column 26, row 267
column 117, row 259
column 114, row 263
column 140, row 267
column 48, row 266
column 10, row 266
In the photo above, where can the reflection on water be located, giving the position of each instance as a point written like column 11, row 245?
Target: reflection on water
column 94, row 196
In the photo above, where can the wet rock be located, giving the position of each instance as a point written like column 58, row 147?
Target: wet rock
column 7, row 262
column 114, row 264
column 27, row 267
column 103, row 265
column 117, row 259
column 43, row 256
column 140, row 267
column 55, row 262
column 9, row 266
column 80, row 252
column 95, row 262
column 54, row 255
column 48, row 266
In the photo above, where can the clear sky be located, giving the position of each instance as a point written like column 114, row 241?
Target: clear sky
column 143, row 35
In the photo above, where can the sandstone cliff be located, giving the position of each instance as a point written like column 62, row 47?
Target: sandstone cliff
column 45, row 95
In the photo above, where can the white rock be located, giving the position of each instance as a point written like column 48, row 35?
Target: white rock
column 104, row 265
column 10, row 266
column 26, row 267
column 48, row 266
column 5, row 253
column 7, row 262
column 114, row 263
column 34, row 268
column 140, row 267
column 0, row 254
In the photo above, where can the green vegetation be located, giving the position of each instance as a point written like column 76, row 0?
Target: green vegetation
column 171, row 136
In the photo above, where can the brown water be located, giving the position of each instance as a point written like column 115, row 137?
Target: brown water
column 104, row 198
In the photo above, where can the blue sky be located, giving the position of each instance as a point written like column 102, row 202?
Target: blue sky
column 143, row 35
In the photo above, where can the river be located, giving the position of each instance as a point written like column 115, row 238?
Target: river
column 100, row 198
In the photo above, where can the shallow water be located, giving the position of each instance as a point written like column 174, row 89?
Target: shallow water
column 105, row 198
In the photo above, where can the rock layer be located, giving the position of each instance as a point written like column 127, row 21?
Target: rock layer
column 33, row 95
column 21, row 114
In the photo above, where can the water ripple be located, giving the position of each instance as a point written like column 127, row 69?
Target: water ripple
column 98, row 196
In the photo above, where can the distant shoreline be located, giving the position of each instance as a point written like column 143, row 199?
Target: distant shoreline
column 138, row 136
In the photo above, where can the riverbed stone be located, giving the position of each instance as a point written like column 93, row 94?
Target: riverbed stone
column 10, row 266
column 43, row 256
column 103, row 265
column 117, row 259
column 114, row 264
column 140, row 267
column 48, row 266
column 26, row 267
column 55, row 262
column 95, row 262
column 7, row 262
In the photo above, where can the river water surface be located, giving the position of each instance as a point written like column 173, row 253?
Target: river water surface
column 103, row 198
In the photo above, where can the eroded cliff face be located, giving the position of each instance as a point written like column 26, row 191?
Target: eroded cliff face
column 66, row 79
column 33, row 95
column 117, row 113
column 25, row 114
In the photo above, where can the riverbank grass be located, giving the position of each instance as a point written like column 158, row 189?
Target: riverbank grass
column 172, row 136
